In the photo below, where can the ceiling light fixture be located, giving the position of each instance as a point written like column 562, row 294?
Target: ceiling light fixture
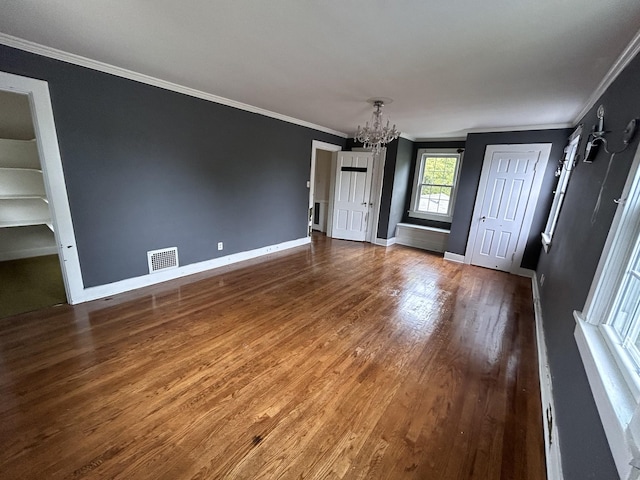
column 376, row 136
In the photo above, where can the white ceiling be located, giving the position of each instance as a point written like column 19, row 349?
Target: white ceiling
column 451, row 66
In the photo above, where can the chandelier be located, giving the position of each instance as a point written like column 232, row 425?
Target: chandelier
column 376, row 136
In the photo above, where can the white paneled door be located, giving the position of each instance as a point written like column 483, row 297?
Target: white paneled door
column 504, row 201
column 354, row 171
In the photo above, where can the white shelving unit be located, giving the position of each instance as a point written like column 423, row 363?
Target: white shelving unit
column 24, row 208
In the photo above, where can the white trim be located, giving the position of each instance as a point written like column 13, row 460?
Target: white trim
column 567, row 165
column 618, row 66
column 129, row 284
column 551, row 440
column 49, row 52
column 605, row 367
column 544, row 151
column 53, row 175
column 614, row 400
column 456, row 136
column 417, row 176
column 407, row 137
column 375, row 192
column 385, row 242
column 317, row 145
column 525, row 272
column 454, row 257
column 616, row 248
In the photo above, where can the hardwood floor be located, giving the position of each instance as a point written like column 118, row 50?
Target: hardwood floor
column 335, row 360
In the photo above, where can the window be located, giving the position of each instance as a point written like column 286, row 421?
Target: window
column 564, row 172
column 608, row 330
column 435, row 184
column 622, row 325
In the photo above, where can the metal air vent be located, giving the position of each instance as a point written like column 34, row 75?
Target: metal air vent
column 162, row 259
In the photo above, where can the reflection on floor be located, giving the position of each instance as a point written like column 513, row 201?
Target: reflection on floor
column 30, row 284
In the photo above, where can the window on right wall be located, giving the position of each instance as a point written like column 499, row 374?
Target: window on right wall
column 564, row 172
column 608, row 330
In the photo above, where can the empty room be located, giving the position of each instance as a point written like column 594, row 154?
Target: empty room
column 330, row 240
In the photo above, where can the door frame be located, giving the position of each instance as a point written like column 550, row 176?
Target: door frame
column 54, row 183
column 318, row 145
column 544, row 150
column 375, row 195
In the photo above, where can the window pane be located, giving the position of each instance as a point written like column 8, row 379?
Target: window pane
column 434, row 199
column 439, row 170
column 629, row 304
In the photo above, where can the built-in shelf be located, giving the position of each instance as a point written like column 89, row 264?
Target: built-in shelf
column 16, row 212
column 19, row 154
column 24, row 209
column 21, row 182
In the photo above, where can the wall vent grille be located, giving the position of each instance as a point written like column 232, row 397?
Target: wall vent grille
column 162, row 259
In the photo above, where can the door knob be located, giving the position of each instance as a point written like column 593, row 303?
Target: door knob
column 483, row 218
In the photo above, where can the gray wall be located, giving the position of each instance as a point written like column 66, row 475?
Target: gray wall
column 475, row 147
column 394, row 187
column 148, row 168
column 568, row 270
column 401, row 185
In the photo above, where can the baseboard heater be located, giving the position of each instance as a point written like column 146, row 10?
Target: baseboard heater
column 426, row 238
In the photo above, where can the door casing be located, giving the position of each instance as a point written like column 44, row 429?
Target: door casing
column 544, row 150
column 317, row 145
column 375, row 194
column 47, row 141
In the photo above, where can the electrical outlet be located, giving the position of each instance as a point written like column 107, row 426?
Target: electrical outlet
column 220, row 245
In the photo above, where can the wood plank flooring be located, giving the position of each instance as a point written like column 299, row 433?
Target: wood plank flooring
column 338, row 360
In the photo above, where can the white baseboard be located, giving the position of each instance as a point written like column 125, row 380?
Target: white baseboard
column 101, row 291
column 385, row 242
column 454, row 257
column 551, row 443
column 525, row 272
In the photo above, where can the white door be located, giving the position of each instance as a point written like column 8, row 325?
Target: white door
column 351, row 203
column 505, row 204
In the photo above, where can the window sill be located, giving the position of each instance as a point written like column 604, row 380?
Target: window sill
column 431, row 216
column 614, row 400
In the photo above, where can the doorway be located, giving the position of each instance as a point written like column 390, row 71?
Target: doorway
column 30, row 272
column 319, row 194
column 507, row 195
column 321, row 190
column 38, row 190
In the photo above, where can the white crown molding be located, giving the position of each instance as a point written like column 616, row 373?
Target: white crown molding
column 407, row 136
column 441, row 139
column 461, row 136
column 56, row 54
column 521, row 128
column 618, row 66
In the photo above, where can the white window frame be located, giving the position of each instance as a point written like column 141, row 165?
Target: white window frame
column 417, row 184
column 610, row 368
column 568, row 164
